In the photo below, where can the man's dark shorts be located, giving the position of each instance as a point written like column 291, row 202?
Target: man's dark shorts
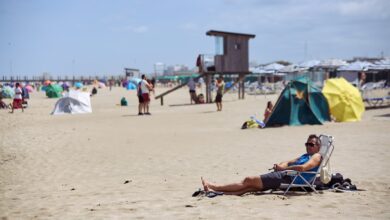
column 273, row 180
column 140, row 99
column 218, row 98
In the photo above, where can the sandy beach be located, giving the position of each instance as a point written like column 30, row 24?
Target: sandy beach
column 114, row 164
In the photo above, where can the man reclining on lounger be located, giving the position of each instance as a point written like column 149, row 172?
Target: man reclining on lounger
column 307, row 162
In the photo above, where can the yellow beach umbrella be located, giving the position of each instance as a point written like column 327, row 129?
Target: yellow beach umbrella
column 345, row 101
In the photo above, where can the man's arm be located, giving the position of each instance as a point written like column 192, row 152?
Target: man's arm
column 150, row 87
column 314, row 161
column 283, row 165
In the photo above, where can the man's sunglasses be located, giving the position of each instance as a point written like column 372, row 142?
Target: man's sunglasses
column 309, row 144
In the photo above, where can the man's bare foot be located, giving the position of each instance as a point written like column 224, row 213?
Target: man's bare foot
column 206, row 185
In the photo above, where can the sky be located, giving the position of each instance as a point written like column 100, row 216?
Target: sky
column 100, row 37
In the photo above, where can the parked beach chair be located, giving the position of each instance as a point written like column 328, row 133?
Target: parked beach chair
column 326, row 151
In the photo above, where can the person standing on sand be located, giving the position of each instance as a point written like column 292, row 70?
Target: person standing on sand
column 140, row 99
column 192, row 87
column 18, row 99
column 220, row 84
column 146, row 88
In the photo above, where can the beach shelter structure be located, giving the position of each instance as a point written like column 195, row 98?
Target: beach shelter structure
column 356, row 66
column 345, row 100
column 131, row 86
column 53, row 91
column 29, row 88
column 301, row 102
column 101, row 85
column 74, row 102
column 47, row 82
column 273, row 67
column 309, row 63
column 231, row 58
column 8, row 92
column 78, row 85
column 331, row 63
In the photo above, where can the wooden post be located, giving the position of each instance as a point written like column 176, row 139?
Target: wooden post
column 239, row 86
column 243, row 86
column 208, row 89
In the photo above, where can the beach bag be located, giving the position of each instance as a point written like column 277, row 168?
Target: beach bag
column 250, row 124
column 123, row 102
column 336, row 178
column 326, row 174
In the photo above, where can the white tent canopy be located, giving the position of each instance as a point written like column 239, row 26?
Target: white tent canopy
column 309, row 63
column 273, row 67
column 332, row 63
column 267, row 69
column 74, row 102
column 381, row 65
column 356, row 66
column 293, row 68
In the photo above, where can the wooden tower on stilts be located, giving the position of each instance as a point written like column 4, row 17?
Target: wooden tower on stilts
column 231, row 58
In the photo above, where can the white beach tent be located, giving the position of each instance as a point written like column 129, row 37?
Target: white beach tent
column 309, row 64
column 273, row 67
column 381, row 65
column 356, row 66
column 292, row 68
column 74, row 102
column 332, row 63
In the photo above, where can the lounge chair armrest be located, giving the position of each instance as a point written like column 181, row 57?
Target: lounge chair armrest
column 294, row 172
column 291, row 172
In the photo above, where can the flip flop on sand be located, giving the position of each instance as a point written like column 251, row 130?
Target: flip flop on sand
column 212, row 194
column 198, row 193
column 209, row 194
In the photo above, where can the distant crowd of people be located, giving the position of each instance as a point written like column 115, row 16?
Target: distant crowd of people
column 145, row 88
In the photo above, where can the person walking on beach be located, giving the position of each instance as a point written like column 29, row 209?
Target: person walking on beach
column 310, row 161
column 18, row 99
column 192, row 86
column 140, row 99
column 220, row 84
column 146, row 88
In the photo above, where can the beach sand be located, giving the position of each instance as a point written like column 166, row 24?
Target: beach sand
column 114, row 164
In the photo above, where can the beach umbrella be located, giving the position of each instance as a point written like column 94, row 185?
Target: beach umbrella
column 53, row 91
column 78, row 85
column 29, row 88
column 47, row 82
column 101, row 85
column 131, row 86
column 135, row 80
column 345, row 101
column 64, row 86
column 8, row 92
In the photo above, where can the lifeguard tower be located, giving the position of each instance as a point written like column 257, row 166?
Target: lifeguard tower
column 231, row 58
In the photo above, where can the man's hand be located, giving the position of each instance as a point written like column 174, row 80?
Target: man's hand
column 277, row 167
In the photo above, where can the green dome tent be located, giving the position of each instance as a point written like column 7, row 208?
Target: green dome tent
column 53, row 91
column 299, row 103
